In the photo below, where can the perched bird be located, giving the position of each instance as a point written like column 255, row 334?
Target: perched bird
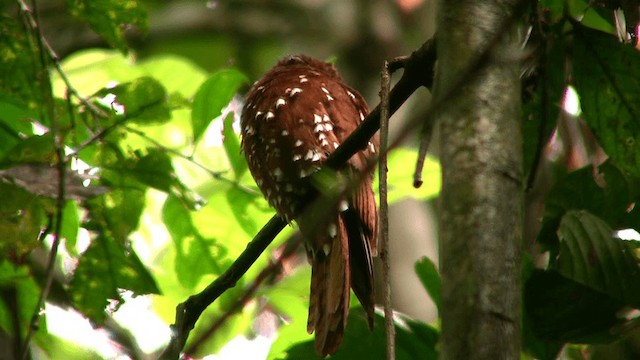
column 294, row 117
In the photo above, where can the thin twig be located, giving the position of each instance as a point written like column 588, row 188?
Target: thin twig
column 384, row 213
column 218, row 175
column 55, row 60
column 272, row 269
column 58, row 144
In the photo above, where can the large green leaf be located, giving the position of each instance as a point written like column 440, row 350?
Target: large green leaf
column 191, row 247
column 109, row 18
column 607, row 78
column 608, row 197
column 590, row 255
column 145, row 100
column 232, row 148
column 18, row 300
column 414, row 340
column 21, row 217
column 212, row 96
column 560, row 310
column 104, row 270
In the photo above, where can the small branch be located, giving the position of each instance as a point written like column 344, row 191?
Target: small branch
column 218, row 175
column 268, row 272
column 58, row 144
column 188, row 312
column 55, row 60
column 390, row 329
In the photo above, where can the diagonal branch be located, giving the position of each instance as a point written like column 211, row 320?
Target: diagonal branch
column 418, row 71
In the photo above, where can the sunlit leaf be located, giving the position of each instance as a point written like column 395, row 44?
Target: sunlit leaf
column 34, row 149
column 212, row 96
column 21, row 216
column 232, row 148
column 104, row 270
column 145, row 100
column 19, row 299
column 109, row 18
column 191, row 247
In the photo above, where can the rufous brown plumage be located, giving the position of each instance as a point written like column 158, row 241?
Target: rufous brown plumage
column 294, row 117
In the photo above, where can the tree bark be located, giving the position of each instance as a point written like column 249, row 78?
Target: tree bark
column 477, row 79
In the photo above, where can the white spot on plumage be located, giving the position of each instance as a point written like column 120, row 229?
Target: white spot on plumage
column 335, row 145
column 343, row 206
column 301, row 121
column 325, row 142
column 309, row 155
column 333, row 230
column 295, row 91
column 297, row 157
column 277, row 173
column 351, row 95
column 328, row 127
column 316, row 119
column 303, row 80
column 326, row 249
column 261, row 88
column 326, row 118
column 329, row 98
column 324, row 90
column 316, row 156
column 298, row 143
column 284, row 133
column 270, row 115
column 372, row 147
column 258, row 114
column 322, row 136
column 318, row 128
column 249, row 130
column 280, row 102
column 361, row 115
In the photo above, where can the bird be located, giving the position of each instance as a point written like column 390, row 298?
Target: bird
column 293, row 118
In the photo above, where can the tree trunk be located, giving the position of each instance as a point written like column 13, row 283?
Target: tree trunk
column 481, row 200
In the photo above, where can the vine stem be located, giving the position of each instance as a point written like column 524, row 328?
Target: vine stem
column 390, row 329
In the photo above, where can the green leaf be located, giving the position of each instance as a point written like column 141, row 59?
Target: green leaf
column 19, row 79
column 430, row 278
column 21, row 216
column 70, row 225
column 414, row 340
column 106, row 268
column 591, row 16
column 591, row 256
column 212, row 96
column 191, row 247
column 232, row 148
column 559, row 309
column 19, row 299
column 34, row 149
column 145, row 100
column 607, row 79
column 109, row 18
column 400, row 176
column 609, row 198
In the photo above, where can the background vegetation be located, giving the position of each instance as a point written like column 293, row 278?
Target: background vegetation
column 138, row 102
